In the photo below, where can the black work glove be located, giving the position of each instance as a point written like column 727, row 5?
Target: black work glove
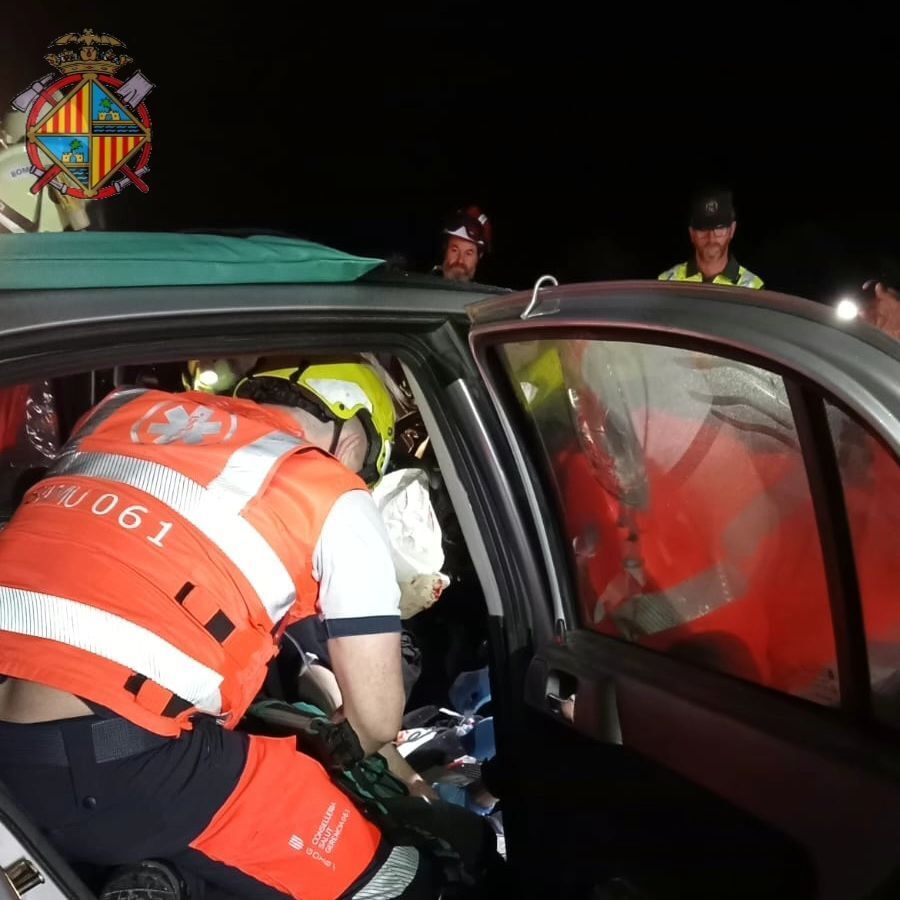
column 334, row 745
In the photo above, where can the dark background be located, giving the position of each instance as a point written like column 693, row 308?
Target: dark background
column 581, row 133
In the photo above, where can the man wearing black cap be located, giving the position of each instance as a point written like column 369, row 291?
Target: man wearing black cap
column 712, row 228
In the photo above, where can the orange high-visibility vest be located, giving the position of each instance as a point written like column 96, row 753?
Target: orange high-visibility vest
column 730, row 567
column 155, row 568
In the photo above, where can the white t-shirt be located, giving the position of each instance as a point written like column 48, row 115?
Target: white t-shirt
column 358, row 590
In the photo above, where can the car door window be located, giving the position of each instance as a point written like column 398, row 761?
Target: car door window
column 871, row 480
column 683, row 497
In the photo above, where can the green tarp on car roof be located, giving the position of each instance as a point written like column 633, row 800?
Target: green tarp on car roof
column 88, row 259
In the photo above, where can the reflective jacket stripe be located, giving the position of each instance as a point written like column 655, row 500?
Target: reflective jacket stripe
column 114, row 638
column 713, row 588
column 393, row 877
column 213, row 511
column 109, row 405
column 649, row 614
column 247, row 470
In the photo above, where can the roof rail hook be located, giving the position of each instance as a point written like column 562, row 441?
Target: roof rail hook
column 530, row 309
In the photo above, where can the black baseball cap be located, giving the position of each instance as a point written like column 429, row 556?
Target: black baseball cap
column 712, row 209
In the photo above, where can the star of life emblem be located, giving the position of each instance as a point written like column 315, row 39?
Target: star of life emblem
column 178, row 423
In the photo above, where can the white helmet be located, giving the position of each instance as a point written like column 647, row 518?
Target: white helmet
column 21, row 211
column 12, row 128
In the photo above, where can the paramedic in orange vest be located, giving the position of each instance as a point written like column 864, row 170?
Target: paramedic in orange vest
column 144, row 586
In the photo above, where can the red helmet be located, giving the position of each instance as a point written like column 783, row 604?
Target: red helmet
column 471, row 224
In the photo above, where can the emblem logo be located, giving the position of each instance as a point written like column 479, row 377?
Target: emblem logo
column 176, row 423
column 88, row 132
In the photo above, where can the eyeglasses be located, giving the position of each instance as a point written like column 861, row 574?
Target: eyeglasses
column 718, row 231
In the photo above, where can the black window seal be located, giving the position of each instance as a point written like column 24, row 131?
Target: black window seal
column 835, row 535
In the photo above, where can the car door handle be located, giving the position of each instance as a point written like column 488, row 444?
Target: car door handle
column 564, row 707
column 551, row 688
column 561, row 688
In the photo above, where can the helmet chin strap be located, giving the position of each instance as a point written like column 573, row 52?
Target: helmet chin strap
column 338, row 428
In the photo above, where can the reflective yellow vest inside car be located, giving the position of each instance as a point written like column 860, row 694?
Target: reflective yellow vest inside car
column 734, row 274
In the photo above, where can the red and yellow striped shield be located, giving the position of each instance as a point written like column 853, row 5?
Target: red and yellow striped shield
column 73, row 117
column 108, row 152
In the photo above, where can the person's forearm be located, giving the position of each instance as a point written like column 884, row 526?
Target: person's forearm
column 370, row 725
column 367, row 668
column 401, row 769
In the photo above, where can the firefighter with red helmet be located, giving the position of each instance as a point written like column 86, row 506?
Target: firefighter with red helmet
column 467, row 237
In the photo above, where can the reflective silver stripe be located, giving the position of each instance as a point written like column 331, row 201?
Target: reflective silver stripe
column 764, row 513
column 112, row 637
column 248, row 468
column 206, row 510
column 104, row 409
column 647, row 614
column 7, row 224
column 394, row 877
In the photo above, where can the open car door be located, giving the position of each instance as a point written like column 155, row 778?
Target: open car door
column 713, row 479
column 29, row 864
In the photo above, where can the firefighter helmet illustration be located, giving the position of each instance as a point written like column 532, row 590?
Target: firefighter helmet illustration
column 88, row 132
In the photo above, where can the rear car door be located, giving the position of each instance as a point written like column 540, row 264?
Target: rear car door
column 713, row 480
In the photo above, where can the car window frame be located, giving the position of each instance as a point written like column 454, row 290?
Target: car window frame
column 78, row 348
column 844, row 410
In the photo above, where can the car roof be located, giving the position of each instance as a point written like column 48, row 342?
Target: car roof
column 49, row 279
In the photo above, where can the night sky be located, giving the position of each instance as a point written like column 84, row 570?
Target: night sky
column 581, row 135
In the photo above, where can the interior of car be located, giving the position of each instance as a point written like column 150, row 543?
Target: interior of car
column 444, row 639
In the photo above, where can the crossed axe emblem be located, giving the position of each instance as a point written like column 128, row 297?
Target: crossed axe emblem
column 131, row 93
